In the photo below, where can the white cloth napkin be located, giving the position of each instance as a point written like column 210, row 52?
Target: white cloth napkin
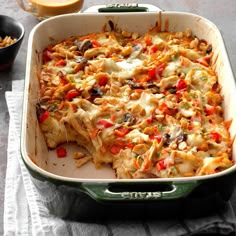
column 25, row 212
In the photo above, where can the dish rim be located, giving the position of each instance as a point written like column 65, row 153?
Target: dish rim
column 35, row 168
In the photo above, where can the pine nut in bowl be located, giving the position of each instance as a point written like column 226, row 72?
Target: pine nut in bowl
column 11, row 36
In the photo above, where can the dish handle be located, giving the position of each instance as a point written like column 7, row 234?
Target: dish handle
column 111, row 192
column 125, row 7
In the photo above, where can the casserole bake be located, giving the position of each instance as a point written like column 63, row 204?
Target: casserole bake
column 101, row 184
column 150, row 105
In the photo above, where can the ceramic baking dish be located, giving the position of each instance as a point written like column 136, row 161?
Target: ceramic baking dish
column 52, row 174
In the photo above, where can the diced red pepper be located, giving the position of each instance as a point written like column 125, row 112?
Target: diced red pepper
column 72, row 94
column 149, row 120
column 191, row 127
column 215, row 136
column 47, row 55
column 181, row 84
column 152, row 74
column 61, row 62
column 105, row 123
column 115, row 149
column 210, row 110
column 165, row 92
column 96, row 44
column 117, row 146
column 121, row 131
column 44, row 116
column 156, row 72
column 130, row 144
column 161, row 165
column 166, row 110
column 102, row 81
column 158, row 137
column 61, row 152
column 153, row 49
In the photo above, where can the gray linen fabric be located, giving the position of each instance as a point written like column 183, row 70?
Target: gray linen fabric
column 26, row 212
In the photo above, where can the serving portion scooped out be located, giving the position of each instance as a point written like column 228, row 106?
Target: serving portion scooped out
column 148, row 104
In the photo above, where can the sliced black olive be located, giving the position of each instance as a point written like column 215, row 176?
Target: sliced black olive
column 84, row 45
column 134, row 85
column 111, row 24
column 128, row 117
column 154, row 88
column 96, row 92
column 39, row 110
column 166, row 139
column 181, row 138
column 172, row 90
column 209, row 49
column 76, row 43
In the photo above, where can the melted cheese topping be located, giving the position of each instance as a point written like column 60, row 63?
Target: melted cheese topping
column 150, row 105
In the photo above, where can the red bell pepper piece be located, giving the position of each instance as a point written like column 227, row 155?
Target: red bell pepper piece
column 72, row 94
column 117, row 146
column 210, row 110
column 156, row 72
column 102, row 81
column 166, row 110
column 44, row 116
column 105, row 123
column 181, row 84
column 158, row 137
column 95, row 44
column 61, row 152
column 191, row 127
column 47, row 55
column 152, row 74
column 215, row 136
column 161, row 165
column 121, row 131
column 61, row 62
column 115, row 149
column 130, row 144
column 153, row 49
column 149, row 120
